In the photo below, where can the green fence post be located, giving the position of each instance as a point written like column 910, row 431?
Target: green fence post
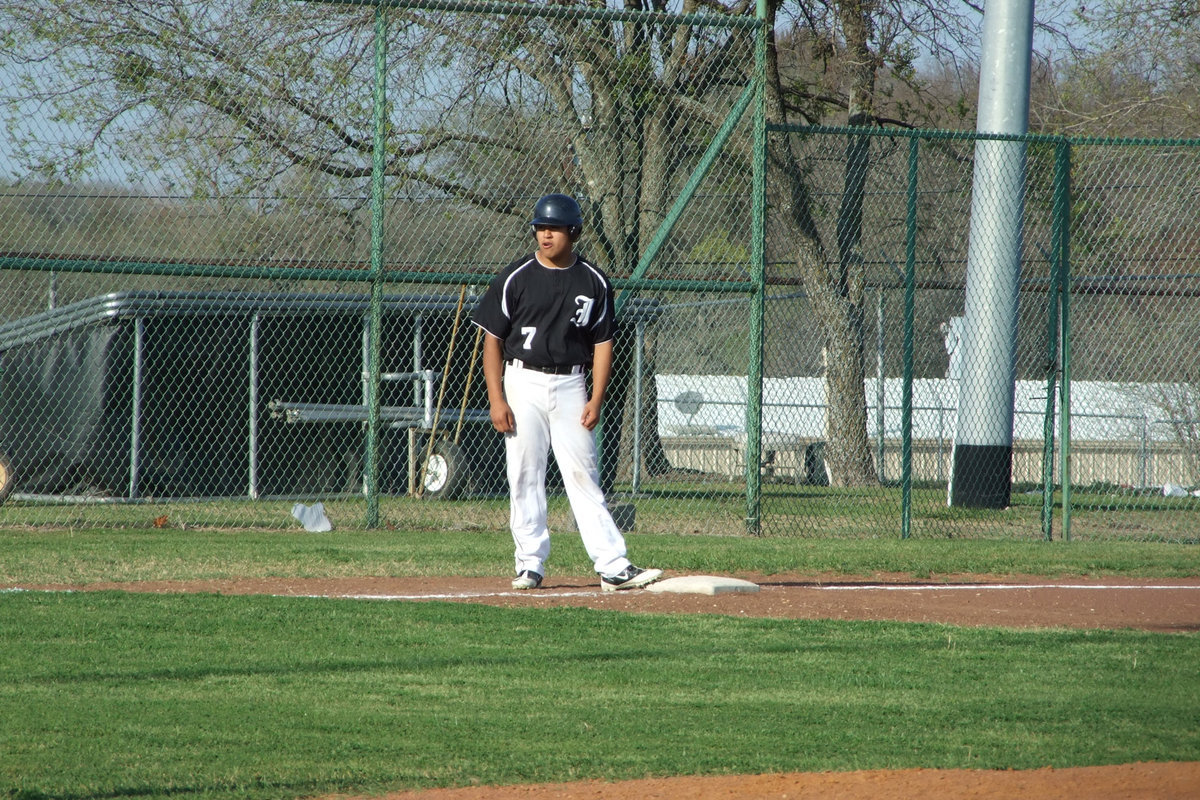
column 754, row 376
column 910, row 288
column 1051, row 388
column 371, row 472
column 1062, row 182
column 1058, row 236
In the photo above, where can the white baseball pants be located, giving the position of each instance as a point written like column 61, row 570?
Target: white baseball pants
column 547, row 410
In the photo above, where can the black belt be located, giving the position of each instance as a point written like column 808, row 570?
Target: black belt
column 572, row 369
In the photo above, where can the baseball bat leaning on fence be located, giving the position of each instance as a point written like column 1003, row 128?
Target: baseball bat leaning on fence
column 462, row 409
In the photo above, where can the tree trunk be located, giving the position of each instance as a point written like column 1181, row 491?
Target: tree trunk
column 836, row 289
column 841, row 310
column 848, row 450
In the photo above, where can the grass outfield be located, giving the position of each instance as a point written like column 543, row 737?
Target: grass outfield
column 861, row 513
column 109, row 694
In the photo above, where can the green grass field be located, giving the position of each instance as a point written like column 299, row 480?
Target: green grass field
column 107, row 694
column 89, row 556
column 1098, row 514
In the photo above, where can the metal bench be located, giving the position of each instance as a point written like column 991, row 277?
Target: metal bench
column 444, row 469
column 395, row 416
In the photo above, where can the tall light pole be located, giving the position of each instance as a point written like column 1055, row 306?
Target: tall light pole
column 982, row 475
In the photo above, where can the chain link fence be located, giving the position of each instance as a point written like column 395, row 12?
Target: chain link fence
column 238, row 274
column 1135, row 341
column 1117, row 212
column 233, row 232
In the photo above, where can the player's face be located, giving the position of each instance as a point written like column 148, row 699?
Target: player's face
column 554, row 243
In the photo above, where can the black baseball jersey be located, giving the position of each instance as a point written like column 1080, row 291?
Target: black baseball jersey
column 548, row 317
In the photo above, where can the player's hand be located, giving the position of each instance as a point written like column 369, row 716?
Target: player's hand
column 591, row 415
column 502, row 417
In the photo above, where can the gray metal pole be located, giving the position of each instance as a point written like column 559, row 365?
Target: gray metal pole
column 982, row 474
column 418, row 362
column 135, row 429
column 880, row 390
column 255, row 321
column 379, row 120
column 638, row 388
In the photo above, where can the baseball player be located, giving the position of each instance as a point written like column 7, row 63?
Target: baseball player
column 549, row 317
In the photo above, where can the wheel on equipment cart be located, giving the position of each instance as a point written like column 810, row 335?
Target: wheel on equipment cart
column 6, row 478
column 445, row 475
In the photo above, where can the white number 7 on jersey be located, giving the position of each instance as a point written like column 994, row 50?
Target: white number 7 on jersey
column 528, row 333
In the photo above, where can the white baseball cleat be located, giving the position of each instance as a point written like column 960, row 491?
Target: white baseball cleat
column 629, row 578
column 528, row 579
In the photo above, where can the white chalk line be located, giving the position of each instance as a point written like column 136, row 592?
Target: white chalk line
column 445, row 596
column 931, row 587
column 977, row 586
column 536, row 594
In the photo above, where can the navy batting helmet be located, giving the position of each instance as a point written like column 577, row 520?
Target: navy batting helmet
column 559, row 210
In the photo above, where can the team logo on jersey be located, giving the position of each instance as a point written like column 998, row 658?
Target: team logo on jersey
column 583, row 311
